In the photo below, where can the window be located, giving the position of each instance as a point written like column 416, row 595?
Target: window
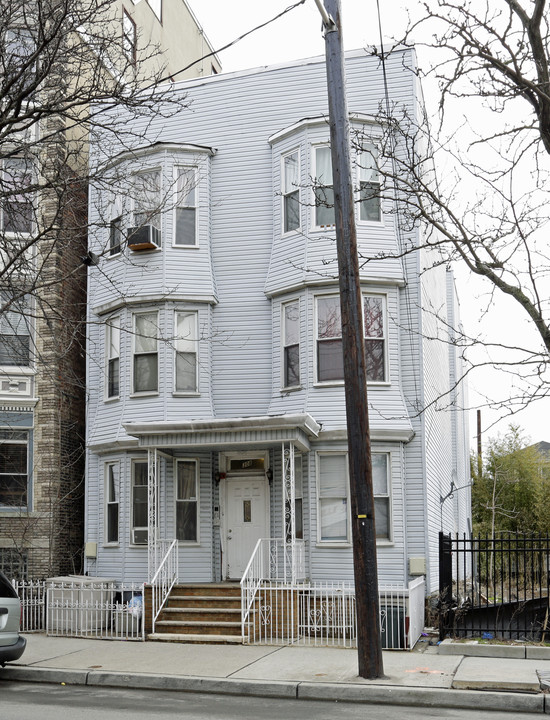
column 112, row 488
column 291, row 344
column 187, row 501
column 330, row 359
column 145, row 352
column 186, row 352
column 291, row 192
column 14, row 474
column 334, row 517
column 369, row 186
column 298, row 499
column 17, row 196
column 333, row 498
column 380, row 482
column 15, row 331
column 147, row 199
column 113, row 357
column 323, row 189
column 139, row 502
column 115, row 236
column 129, row 37
column 19, row 66
column 186, row 207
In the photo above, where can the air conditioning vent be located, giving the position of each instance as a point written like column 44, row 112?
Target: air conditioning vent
column 146, row 237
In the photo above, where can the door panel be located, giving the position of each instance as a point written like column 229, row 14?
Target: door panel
column 246, row 521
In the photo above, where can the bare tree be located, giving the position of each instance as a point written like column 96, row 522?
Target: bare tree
column 476, row 176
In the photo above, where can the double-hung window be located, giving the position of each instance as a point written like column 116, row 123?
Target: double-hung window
column 186, row 344
column 113, row 357
column 330, row 359
column 186, row 206
column 145, row 367
column 369, row 185
column 19, row 64
column 333, row 489
column 291, row 344
column 333, row 497
column 115, row 236
column 147, row 200
column 112, row 491
column 187, row 501
column 14, row 467
column 15, row 331
column 291, row 192
column 17, row 196
column 139, row 528
column 129, row 37
column 323, row 188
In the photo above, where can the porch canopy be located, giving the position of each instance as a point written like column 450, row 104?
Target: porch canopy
column 289, row 431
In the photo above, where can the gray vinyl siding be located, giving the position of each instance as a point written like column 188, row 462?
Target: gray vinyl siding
column 237, row 278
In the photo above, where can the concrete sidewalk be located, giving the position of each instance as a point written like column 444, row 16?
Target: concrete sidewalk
column 424, row 677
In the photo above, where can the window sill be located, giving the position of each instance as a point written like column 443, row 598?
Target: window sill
column 151, row 393
column 111, row 399
column 290, row 233
column 189, row 543
column 186, row 394
column 143, row 546
column 112, row 546
column 340, row 383
column 344, row 544
column 7, row 512
column 185, row 247
column 291, row 389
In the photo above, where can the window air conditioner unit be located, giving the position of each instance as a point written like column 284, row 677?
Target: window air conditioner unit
column 146, row 237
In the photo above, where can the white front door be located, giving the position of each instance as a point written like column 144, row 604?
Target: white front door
column 246, row 521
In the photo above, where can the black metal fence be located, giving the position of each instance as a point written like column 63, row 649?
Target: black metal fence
column 494, row 587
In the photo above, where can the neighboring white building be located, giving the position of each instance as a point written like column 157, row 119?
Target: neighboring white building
column 216, row 402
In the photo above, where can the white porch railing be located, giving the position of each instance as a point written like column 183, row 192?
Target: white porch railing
column 32, row 594
column 164, row 579
column 277, row 612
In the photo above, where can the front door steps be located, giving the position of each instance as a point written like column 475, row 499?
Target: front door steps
column 201, row 613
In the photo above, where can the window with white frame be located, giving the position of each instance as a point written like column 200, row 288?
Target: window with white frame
column 19, row 66
column 17, row 196
column 291, row 344
column 333, row 497
column 139, row 525
column 381, row 490
column 115, row 236
column 15, row 330
column 187, row 501
column 186, row 206
column 145, row 365
column 298, row 498
column 369, row 185
column 14, row 467
column 323, row 187
column 112, row 491
column 186, row 345
column 129, row 37
column 112, row 344
column 147, row 199
column 291, row 191
column 330, row 359
column 333, row 490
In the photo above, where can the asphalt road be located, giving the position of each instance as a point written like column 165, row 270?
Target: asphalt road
column 33, row 701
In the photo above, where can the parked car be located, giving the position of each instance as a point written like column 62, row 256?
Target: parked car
column 12, row 644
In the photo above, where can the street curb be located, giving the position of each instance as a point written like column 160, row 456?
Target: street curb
column 343, row 692
column 423, row 697
column 220, row 686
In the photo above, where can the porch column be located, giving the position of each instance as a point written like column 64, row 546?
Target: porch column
column 153, row 545
column 289, row 509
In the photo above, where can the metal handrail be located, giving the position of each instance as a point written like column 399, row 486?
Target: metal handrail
column 164, row 580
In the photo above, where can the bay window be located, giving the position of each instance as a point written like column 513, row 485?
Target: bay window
column 186, row 352
column 145, row 365
column 187, row 501
column 113, row 357
column 112, row 489
column 291, row 192
column 291, row 344
column 186, row 206
column 323, row 188
column 330, row 359
column 139, row 512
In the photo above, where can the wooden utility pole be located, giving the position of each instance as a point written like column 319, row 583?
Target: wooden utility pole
column 355, row 375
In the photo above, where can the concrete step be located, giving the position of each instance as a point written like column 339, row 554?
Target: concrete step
column 196, row 638
column 185, row 627
column 212, row 615
column 208, row 589
column 206, row 601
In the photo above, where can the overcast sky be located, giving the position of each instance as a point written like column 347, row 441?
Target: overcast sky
column 298, row 35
